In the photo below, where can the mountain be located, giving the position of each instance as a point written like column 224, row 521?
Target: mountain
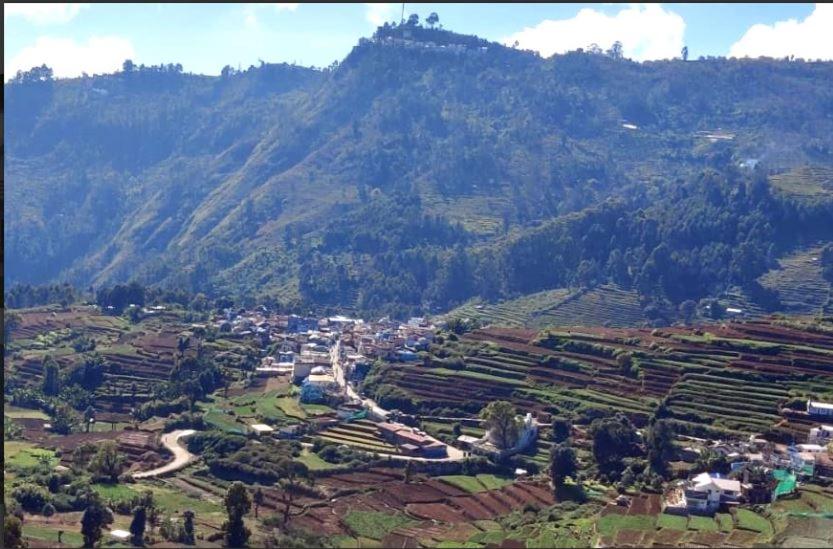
column 425, row 169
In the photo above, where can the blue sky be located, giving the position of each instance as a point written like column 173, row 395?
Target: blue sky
column 96, row 38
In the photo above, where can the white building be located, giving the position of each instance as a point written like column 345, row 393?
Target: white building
column 705, row 493
column 819, row 408
column 260, row 429
column 823, row 435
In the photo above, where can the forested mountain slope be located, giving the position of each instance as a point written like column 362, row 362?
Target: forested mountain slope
column 423, row 170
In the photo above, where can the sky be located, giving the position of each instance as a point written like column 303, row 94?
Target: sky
column 97, row 38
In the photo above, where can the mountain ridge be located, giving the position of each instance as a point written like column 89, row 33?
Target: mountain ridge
column 200, row 176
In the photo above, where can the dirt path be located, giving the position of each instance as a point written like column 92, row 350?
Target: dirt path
column 182, row 457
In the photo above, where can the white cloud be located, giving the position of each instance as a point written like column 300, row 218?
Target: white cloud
column 250, row 12
column 646, row 31
column 68, row 58
column 43, row 14
column 811, row 38
column 377, row 14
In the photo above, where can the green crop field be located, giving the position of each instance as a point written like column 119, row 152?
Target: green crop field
column 374, row 524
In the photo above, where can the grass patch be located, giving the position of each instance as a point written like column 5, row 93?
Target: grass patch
column 344, row 542
column 316, row 409
column 291, row 407
column 45, row 532
column 223, row 421
column 752, row 521
column 174, row 501
column 23, row 413
column 492, row 482
column 705, row 524
column 314, row 462
column 464, row 482
column 24, row 455
column 727, row 524
column 672, row 522
column 115, row 492
column 373, row 524
column 610, row 524
column 821, row 503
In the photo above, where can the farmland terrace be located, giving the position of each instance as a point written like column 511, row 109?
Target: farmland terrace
column 720, row 380
column 137, row 357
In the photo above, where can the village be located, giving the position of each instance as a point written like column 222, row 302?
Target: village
column 328, row 356
column 300, row 386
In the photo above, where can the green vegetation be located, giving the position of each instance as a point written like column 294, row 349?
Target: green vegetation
column 610, row 524
column 706, row 524
column 672, row 522
column 49, row 534
column 24, row 455
column 749, row 520
column 374, row 524
column 476, row 211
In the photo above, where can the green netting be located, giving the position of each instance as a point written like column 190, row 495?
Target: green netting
column 786, row 482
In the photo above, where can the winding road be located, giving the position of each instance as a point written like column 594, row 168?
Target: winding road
column 182, row 457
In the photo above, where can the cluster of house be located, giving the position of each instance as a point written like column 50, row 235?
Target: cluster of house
column 303, row 346
column 761, row 472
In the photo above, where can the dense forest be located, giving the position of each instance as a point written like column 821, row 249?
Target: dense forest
column 425, row 169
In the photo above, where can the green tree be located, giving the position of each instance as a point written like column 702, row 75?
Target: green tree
column 660, row 444
column 96, row 516
column 409, row 471
column 560, row 430
column 12, row 532
column 47, row 511
column 688, row 309
column 188, row 527
column 613, row 439
column 562, row 463
column 238, row 503
column 108, row 462
column 137, row 525
column 89, row 415
column 432, row 19
column 257, row 499
column 62, row 420
column 51, row 385
column 293, row 474
column 502, row 423
column 684, row 53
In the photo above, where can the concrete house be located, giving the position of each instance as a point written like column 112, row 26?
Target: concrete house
column 704, row 494
column 823, row 409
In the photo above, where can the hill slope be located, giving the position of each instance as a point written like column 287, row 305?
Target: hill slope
column 418, row 173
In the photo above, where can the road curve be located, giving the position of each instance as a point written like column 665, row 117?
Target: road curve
column 182, row 457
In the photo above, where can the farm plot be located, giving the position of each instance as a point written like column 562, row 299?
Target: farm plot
column 362, row 435
column 733, row 378
column 799, row 282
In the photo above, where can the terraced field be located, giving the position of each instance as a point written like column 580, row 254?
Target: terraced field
column 138, row 357
column 605, row 305
column 362, row 435
column 730, row 378
column 806, row 182
column 799, row 283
